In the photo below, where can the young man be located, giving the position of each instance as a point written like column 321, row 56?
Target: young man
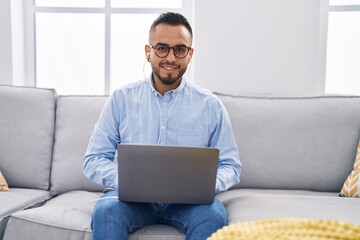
column 164, row 110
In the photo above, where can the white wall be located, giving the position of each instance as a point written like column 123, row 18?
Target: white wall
column 18, row 42
column 5, row 43
column 259, row 47
column 241, row 46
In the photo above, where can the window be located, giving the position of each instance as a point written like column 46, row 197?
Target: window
column 70, row 52
column 343, row 48
column 91, row 47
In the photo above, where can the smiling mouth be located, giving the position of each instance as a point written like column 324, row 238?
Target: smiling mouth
column 169, row 68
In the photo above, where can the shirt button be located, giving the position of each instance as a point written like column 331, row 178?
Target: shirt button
column 164, row 103
column 162, row 127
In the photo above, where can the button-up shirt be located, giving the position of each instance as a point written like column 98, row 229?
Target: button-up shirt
column 185, row 116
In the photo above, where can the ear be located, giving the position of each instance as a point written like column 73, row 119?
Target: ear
column 147, row 51
column 191, row 52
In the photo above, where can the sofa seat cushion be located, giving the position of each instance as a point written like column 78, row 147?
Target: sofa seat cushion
column 68, row 216
column 157, row 232
column 17, row 199
column 230, row 195
column 267, row 206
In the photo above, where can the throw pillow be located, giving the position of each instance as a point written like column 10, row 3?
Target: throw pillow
column 3, row 184
column 351, row 187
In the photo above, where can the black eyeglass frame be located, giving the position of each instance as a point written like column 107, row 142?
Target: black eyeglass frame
column 169, row 48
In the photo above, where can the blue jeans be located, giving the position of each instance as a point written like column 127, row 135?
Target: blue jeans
column 114, row 219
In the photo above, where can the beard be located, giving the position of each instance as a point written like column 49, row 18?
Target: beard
column 169, row 79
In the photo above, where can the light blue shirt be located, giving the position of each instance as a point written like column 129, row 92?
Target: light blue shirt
column 138, row 114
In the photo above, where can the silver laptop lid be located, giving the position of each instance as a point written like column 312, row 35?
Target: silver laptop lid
column 171, row 174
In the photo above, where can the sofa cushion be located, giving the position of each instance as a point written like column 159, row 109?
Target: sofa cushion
column 3, row 184
column 68, row 216
column 351, row 187
column 157, row 232
column 26, row 130
column 17, row 199
column 228, row 196
column 256, row 207
column 295, row 143
column 20, row 198
column 75, row 120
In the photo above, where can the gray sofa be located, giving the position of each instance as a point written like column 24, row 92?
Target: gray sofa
column 296, row 154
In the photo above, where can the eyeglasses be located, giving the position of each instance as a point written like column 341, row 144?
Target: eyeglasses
column 179, row 51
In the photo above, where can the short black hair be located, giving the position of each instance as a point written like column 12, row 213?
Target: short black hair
column 173, row 19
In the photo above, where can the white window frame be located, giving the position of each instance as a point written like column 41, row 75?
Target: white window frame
column 30, row 11
column 326, row 7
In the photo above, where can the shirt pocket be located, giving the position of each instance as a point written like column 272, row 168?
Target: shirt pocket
column 189, row 137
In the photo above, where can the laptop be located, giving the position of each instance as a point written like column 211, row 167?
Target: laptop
column 167, row 174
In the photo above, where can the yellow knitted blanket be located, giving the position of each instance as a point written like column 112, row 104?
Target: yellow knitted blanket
column 288, row 229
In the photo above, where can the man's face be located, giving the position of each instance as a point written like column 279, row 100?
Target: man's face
column 170, row 69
